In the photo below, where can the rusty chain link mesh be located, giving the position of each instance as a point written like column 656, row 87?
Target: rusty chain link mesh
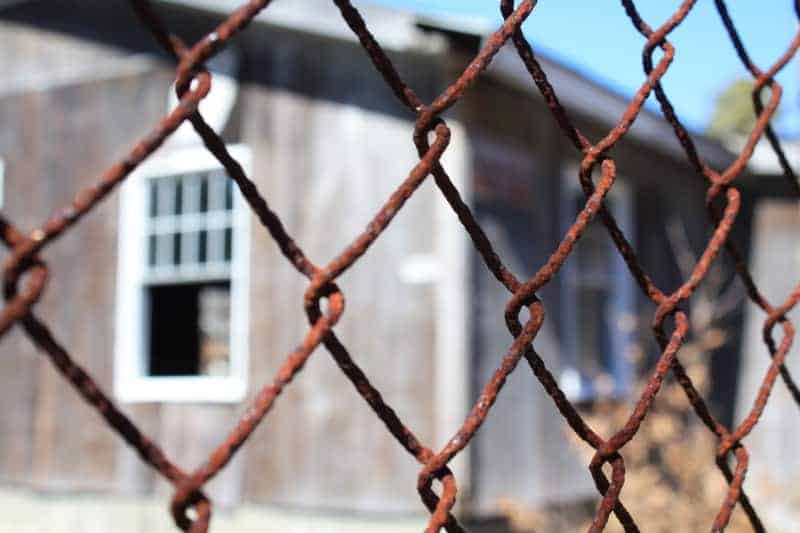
column 25, row 274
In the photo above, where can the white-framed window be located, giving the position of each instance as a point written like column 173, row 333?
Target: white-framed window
column 182, row 281
column 598, row 306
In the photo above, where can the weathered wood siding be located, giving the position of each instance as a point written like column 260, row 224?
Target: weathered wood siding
column 326, row 167
column 55, row 142
column 774, row 465
column 522, row 453
column 326, row 175
column 330, row 143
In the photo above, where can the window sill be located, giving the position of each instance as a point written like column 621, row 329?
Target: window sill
column 188, row 389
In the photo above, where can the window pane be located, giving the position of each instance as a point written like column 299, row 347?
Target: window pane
column 202, row 250
column 178, row 196
column 166, row 196
column 176, row 249
column 593, row 251
column 153, row 198
column 593, row 303
column 216, row 191
column 216, row 245
column 203, row 193
column 228, row 243
column 593, row 331
column 192, row 226
column 190, row 249
column 191, row 193
column 151, row 250
column 228, row 194
column 164, row 248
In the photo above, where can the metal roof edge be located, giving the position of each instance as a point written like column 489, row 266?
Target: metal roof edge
column 405, row 31
column 395, row 29
column 579, row 94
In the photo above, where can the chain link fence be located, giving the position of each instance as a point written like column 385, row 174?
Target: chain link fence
column 25, row 274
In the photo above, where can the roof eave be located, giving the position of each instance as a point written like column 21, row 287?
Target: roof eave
column 585, row 97
column 396, row 30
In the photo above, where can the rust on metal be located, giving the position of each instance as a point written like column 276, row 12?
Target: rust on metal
column 25, row 273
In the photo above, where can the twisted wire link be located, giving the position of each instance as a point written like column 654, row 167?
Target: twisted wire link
column 25, row 273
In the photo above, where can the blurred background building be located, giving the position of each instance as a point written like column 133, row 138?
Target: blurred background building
column 176, row 299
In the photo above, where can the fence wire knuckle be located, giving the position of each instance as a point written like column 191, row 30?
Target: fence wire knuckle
column 25, row 273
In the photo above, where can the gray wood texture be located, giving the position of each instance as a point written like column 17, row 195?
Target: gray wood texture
column 329, row 145
column 774, row 465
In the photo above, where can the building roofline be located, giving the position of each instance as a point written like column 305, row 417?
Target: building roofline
column 402, row 31
column 395, row 29
column 586, row 97
column 765, row 161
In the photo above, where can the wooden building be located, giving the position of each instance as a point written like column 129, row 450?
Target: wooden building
column 775, row 261
column 179, row 303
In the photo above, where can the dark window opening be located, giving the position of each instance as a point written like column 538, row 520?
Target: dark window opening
column 592, row 283
column 189, row 329
column 597, row 305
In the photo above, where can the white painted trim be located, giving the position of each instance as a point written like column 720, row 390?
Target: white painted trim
column 189, row 222
column 182, row 389
column 130, row 382
column 217, row 106
column 395, row 29
column 452, row 384
column 184, row 160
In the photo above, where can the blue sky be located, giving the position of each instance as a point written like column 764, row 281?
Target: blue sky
column 596, row 38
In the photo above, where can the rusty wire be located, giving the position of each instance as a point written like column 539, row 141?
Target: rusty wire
column 25, row 273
